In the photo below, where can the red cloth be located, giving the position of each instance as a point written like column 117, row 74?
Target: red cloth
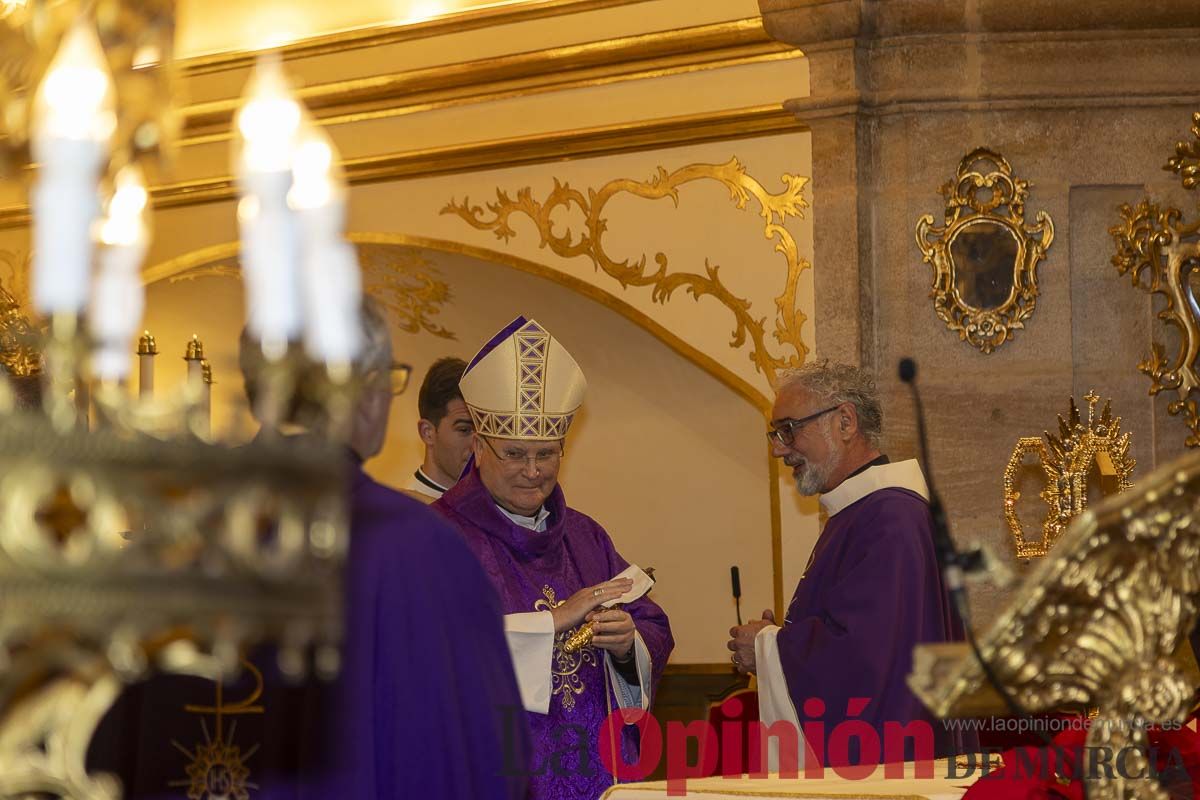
column 1031, row 773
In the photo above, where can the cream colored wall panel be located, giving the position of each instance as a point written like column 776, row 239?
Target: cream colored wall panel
column 707, row 225
column 208, row 27
column 669, row 96
column 538, row 34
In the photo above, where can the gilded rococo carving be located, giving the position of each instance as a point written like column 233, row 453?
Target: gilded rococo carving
column 1067, row 461
column 1095, row 626
column 1161, row 254
column 774, row 209
column 985, row 256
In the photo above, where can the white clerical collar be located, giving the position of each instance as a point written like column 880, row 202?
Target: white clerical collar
column 536, row 523
column 901, row 475
column 426, row 485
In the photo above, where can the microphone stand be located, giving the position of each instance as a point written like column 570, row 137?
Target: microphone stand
column 955, row 566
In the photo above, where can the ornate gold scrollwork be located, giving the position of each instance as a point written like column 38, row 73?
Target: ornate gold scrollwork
column 774, row 209
column 1095, row 626
column 1067, row 460
column 1161, row 253
column 985, row 257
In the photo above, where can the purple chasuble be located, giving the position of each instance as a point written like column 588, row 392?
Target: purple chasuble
column 533, row 572
column 871, row 592
column 425, row 705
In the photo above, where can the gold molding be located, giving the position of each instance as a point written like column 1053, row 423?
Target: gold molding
column 775, row 209
column 502, row 153
column 776, row 532
column 380, row 35
column 521, row 74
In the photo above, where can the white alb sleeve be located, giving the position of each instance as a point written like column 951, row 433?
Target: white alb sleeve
column 530, row 638
column 774, row 700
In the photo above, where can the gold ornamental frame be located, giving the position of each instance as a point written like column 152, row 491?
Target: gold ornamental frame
column 1067, row 460
column 1094, row 625
column 984, row 191
column 1161, row 254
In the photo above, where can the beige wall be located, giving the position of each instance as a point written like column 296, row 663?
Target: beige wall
column 667, row 458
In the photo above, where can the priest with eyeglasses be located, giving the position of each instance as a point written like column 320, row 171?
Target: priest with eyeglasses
column 584, row 637
column 871, row 591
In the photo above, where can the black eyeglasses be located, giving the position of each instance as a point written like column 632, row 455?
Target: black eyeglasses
column 785, row 433
column 396, row 375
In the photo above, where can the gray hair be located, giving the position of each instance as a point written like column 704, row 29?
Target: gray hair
column 377, row 338
column 836, row 384
column 376, row 354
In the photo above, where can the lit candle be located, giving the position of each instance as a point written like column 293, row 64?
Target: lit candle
column 147, row 350
column 118, row 298
column 73, row 121
column 268, row 123
column 330, row 274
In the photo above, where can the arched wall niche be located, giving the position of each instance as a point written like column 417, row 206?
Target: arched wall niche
column 668, row 453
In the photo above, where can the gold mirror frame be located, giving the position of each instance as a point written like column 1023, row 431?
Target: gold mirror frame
column 1155, row 243
column 1067, row 460
column 976, row 195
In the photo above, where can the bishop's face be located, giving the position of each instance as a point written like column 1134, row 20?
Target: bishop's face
column 814, row 452
column 520, row 475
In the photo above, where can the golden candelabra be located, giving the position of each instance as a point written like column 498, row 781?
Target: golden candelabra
column 130, row 540
column 123, row 552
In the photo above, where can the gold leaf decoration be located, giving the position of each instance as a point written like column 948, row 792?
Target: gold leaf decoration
column 20, row 351
column 1161, row 254
column 15, row 271
column 774, row 209
column 408, row 285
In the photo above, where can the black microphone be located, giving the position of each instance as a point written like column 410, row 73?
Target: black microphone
column 735, row 578
column 955, row 565
column 949, row 561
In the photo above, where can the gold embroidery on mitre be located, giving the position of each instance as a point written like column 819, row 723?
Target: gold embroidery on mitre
column 532, row 410
column 564, row 668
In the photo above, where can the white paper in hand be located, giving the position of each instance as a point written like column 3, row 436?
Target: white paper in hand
column 641, row 585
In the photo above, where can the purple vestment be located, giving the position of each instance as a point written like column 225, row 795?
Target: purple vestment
column 872, row 591
column 532, row 572
column 425, row 705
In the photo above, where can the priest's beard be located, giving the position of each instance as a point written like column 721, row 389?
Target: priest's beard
column 813, row 477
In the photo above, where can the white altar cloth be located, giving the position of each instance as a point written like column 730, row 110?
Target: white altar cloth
column 830, row 787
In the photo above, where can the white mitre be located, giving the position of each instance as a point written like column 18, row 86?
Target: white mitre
column 523, row 384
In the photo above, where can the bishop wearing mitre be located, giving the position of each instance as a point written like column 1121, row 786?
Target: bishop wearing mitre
column 584, row 637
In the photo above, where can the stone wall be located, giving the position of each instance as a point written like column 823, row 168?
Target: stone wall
column 1086, row 99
